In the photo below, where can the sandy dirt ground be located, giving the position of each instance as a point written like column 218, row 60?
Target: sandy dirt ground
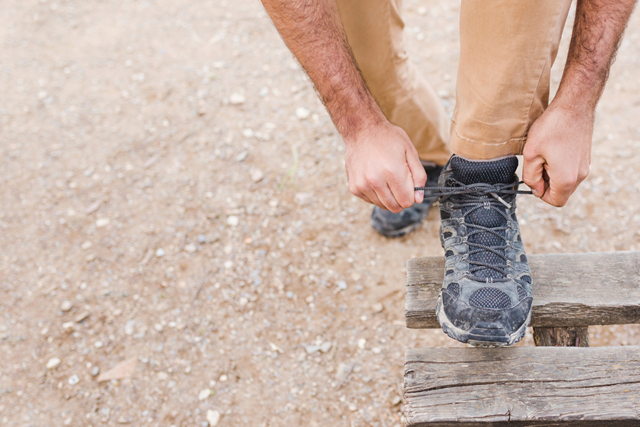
column 172, row 195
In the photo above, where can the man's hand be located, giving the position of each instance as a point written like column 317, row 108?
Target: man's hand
column 558, row 153
column 382, row 164
column 558, row 149
column 383, row 168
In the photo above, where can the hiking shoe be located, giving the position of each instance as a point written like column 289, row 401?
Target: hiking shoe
column 486, row 295
column 391, row 224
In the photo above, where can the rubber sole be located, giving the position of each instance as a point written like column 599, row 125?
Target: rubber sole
column 474, row 339
column 396, row 233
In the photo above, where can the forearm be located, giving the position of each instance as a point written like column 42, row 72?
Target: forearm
column 313, row 31
column 597, row 32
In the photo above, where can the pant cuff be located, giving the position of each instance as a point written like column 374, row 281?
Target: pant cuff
column 478, row 150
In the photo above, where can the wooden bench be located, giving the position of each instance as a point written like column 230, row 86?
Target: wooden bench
column 533, row 386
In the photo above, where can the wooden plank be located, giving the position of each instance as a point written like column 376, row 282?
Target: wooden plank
column 568, row 289
column 573, row 336
column 522, row 386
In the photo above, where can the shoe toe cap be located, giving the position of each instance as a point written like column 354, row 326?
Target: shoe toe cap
column 483, row 321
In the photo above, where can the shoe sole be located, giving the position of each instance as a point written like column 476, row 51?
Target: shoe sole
column 475, row 339
column 396, row 233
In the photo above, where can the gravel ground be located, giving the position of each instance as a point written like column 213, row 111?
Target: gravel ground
column 173, row 196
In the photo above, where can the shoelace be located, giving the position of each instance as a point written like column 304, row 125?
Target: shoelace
column 480, row 196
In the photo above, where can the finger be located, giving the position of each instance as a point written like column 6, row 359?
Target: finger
column 384, row 194
column 533, row 174
column 362, row 196
column 418, row 175
column 400, row 187
column 559, row 192
column 373, row 198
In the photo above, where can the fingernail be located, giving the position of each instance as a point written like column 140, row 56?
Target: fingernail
column 419, row 196
column 535, row 193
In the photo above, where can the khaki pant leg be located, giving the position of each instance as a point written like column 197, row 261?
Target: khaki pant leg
column 374, row 30
column 507, row 48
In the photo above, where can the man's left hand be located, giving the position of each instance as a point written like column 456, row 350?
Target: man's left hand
column 557, row 154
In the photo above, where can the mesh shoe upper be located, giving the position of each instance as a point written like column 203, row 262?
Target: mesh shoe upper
column 487, row 278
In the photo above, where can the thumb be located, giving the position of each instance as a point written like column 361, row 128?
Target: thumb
column 418, row 175
column 533, row 175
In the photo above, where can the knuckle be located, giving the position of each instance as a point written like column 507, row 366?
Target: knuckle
column 406, row 202
column 583, row 174
column 361, row 186
column 373, row 181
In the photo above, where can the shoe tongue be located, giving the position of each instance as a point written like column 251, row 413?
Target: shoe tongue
column 489, row 172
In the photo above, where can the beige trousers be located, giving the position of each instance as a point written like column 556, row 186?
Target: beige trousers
column 507, row 48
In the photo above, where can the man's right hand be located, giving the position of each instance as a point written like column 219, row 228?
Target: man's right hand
column 383, row 167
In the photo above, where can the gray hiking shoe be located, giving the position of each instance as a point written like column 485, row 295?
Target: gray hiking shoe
column 486, row 295
column 391, row 224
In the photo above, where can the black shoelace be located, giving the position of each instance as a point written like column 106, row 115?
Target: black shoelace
column 480, row 196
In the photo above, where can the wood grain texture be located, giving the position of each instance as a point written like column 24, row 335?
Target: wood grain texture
column 568, row 289
column 523, row 386
column 573, row 336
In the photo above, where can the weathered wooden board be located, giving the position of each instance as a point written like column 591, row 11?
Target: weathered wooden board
column 568, row 289
column 522, row 386
column 570, row 336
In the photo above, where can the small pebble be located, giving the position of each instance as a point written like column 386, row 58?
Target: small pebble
column 204, row 394
column 202, row 238
column 190, row 248
column 237, row 99
column 95, row 371
column 82, row 316
column 302, row 113
column 353, row 407
column 223, row 378
column 240, row 157
column 66, row 305
column 67, row 326
column 102, row 222
column 53, row 363
column 342, row 285
column 377, row 307
column 74, row 379
column 310, row 349
column 160, row 252
column 257, row 175
column 98, row 344
column 326, row 346
column 361, row 343
column 213, row 416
